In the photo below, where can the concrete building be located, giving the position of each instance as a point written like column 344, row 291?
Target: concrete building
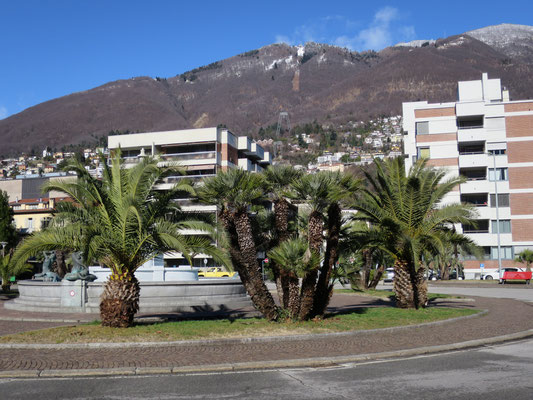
column 202, row 153
column 488, row 139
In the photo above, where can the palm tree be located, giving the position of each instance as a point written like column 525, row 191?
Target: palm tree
column 279, row 179
column 235, row 192
column 408, row 219
column 313, row 192
column 341, row 191
column 525, row 256
column 9, row 269
column 295, row 258
column 121, row 222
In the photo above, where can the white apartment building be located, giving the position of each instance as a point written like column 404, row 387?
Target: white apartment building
column 201, row 152
column 488, row 139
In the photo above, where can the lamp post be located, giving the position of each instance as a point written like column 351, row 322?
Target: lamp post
column 497, row 213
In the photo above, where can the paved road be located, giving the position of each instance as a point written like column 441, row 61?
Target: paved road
column 522, row 292
column 499, row 292
column 502, row 372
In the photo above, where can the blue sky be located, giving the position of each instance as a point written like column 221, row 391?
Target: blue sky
column 52, row 48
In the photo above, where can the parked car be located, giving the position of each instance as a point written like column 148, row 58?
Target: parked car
column 215, row 272
column 389, row 275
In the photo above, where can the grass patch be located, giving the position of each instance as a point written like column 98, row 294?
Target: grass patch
column 384, row 294
column 361, row 319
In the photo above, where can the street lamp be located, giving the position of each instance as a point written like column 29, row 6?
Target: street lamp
column 493, row 152
column 3, row 247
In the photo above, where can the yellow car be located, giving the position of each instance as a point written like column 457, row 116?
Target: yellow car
column 215, row 272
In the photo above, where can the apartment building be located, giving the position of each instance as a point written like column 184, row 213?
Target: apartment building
column 32, row 215
column 202, row 153
column 487, row 138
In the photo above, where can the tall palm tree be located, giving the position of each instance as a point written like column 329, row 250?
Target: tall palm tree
column 279, row 179
column 408, row 219
column 235, row 192
column 121, row 222
column 342, row 189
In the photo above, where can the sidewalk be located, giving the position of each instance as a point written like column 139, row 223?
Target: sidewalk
column 505, row 319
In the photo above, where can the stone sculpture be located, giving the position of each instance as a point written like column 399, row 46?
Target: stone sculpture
column 48, row 274
column 79, row 269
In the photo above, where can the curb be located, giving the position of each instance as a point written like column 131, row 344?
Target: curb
column 262, row 365
column 263, row 339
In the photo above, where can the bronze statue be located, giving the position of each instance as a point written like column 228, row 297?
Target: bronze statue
column 79, row 269
column 48, row 274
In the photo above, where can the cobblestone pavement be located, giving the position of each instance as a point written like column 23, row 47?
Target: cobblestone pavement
column 504, row 317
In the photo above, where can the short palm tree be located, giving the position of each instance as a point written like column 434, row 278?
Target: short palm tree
column 525, row 256
column 312, row 190
column 408, row 219
column 8, row 269
column 296, row 259
column 121, row 222
column 235, row 192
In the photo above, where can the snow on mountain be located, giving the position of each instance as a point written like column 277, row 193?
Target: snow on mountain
column 512, row 39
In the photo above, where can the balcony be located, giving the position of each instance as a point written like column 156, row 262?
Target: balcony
column 469, row 160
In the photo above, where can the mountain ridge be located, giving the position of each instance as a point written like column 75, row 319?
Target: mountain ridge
column 247, row 91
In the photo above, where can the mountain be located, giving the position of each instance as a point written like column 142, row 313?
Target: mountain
column 247, row 91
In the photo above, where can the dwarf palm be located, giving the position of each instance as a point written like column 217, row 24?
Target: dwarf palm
column 8, row 269
column 313, row 192
column 408, row 219
column 295, row 258
column 121, row 222
column 525, row 256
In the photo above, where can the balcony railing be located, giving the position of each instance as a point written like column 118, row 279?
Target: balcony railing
column 476, row 231
column 199, row 155
column 177, row 178
column 476, row 178
column 470, row 127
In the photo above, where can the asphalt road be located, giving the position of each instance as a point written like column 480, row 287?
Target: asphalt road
column 501, row 372
column 501, row 292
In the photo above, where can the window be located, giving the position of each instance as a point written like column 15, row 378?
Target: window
column 29, row 223
column 423, row 152
column 422, row 128
column 503, row 200
column 480, row 226
column 498, row 152
column 505, row 226
column 498, row 174
column 506, row 253
column 470, row 122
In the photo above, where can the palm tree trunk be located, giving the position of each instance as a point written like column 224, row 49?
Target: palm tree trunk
column 323, row 287
column 315, row 228
column 281, row 217
column 6, row 286
column 377, row 277
column 254, row 284
column 294, row 296
column 367, row 267
column 410, row 287
column 120, row 301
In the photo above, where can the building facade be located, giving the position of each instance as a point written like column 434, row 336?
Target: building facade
column 487, row 138
column 202, row 153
